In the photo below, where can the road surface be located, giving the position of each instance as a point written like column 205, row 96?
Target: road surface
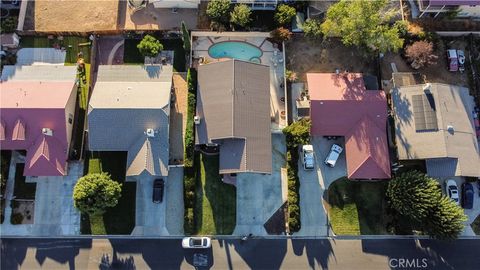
column 117, row 253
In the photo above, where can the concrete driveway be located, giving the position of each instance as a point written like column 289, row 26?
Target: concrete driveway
column 260, row 196
column 149, row 216
column 313, row 184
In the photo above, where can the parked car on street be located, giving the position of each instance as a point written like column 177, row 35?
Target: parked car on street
column 467, row 195
column 461, row 60
column 451, row 190
column 332, row 157
column 308, row 157
column 158, row 187
column 452, row 60
column 196, row 242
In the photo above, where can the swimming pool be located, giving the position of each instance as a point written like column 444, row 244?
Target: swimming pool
column 237, row 50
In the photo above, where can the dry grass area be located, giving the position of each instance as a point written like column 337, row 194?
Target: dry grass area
column 306, row 56
column 178, row 116
column 74, row 15
column 435, row 73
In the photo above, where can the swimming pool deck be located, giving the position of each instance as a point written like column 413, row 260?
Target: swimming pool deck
column 271, row 56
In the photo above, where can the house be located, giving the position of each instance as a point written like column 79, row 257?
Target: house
column 465, row 8
column 258, row 4
column 129, row 111
column 175, row 3
column 37, row 116
column 233, row 113
column 341, row 105
column 433, row 122
column 9, row 41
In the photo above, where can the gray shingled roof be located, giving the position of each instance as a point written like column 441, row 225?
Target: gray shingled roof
column 126, row 101
column 442, row 148
column 233, row 102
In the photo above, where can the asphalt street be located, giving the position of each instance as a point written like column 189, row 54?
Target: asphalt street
column 82, row 253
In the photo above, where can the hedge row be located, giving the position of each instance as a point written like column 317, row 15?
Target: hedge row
column 189, row 171
column 296, row 134
column 293, row 190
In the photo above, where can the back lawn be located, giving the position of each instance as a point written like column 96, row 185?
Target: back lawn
column 72, row 44
column 357, row 207
column 215, row 208
column 133, row 56
column 23, row 190
column 121, row 218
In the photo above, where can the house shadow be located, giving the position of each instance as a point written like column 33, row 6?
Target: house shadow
column 317, row 251
column 272, row 252
column 63, row 251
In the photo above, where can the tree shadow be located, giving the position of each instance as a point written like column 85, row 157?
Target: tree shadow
column 272, row 252
column 318, row 252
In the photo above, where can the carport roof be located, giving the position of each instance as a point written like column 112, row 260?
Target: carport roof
column 342, row 106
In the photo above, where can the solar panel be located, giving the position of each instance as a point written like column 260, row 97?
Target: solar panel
column 424, row 112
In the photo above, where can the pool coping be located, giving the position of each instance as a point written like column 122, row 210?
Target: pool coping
column 241, row 41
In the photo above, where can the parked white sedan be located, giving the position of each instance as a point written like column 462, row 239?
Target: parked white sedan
column 196, row 242
column 452, row 191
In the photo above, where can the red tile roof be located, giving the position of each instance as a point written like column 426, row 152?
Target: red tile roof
column 341, row 106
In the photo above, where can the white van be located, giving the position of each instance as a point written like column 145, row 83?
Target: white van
column 332, row 157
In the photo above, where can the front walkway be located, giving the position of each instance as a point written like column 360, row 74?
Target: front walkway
column 55, row 214
column 260, row 196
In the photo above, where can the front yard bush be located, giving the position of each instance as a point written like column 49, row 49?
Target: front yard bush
column 296, row 134
column 189, row 171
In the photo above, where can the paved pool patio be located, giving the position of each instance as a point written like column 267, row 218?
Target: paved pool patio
column 272, row 56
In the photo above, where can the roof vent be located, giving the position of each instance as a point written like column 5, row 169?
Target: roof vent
column 47, row 132
column 427, row 87
column 450, row 129
column 129, row 88
column 150, row 132
column 196, row 120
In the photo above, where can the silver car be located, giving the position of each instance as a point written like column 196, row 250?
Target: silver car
column 452, row 192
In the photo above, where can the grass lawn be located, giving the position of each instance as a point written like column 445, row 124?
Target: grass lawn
column 215, row 211
column 476, row 225
column 23, row 190
column 72, row 44
column 121, row 218
column 133, row 56
column 357, row 207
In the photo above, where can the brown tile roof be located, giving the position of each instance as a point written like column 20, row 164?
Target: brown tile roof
column 233, row 102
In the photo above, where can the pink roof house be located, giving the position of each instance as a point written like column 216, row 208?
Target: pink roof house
column 342, row 106
column 37, row 116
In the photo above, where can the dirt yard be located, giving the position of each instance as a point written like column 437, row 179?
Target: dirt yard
column 72, row 15
column 305, row 56
column 434, row 73
column 178, row 117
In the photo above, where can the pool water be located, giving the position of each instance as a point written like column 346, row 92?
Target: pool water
column 237, row 50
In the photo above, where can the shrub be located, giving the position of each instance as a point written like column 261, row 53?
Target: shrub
column 241, row 15
column 9, row 25
column 218, row 10
column 149, row 46
column 420, row 54
column 291, row 75
column 17, row 218
column 94, row 193
column 284, row 14
column 312, row 28
column 280, row 35
column 185, row 38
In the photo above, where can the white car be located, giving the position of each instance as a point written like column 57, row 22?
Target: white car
column 452, row 191
column 308, row 157
column 332, row 157
column 196, row 242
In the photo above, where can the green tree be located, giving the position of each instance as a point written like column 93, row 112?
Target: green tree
column 298, row 133
column 419, row 198
column 446, row 220
column 413, row 194
column 96, row 192
column 218, row 10
column 284, row 14
column 280, row 34
column 185, row 38
column 9, row 25
column 312, row 28
column 149, row 46
column 363, row 23
column 241, row 15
